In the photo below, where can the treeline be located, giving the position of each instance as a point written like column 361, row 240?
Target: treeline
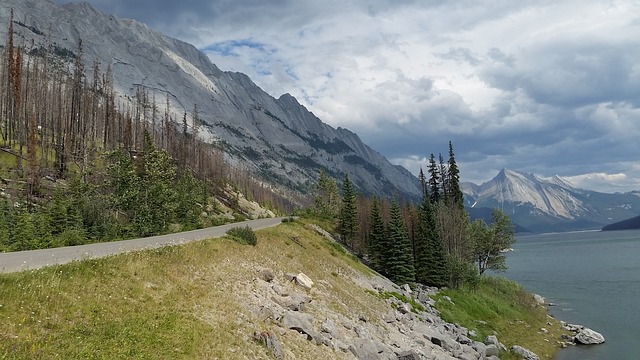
column 81, row 163
column 432, row 243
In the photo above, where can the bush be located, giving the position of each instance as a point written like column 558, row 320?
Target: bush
column 243, row 235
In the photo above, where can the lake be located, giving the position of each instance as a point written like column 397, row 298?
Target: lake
column 593, row 277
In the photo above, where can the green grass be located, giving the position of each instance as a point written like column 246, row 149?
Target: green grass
column 180, row 302
column 502, row 307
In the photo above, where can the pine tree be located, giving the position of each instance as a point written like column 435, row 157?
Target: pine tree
column 431, row 267
column 399, row 257
column 434, row 180
column 455, row 195
column 348, row 213
column 376, row 238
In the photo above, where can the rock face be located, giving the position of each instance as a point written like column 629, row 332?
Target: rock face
column 278, row 138
column 525, row 353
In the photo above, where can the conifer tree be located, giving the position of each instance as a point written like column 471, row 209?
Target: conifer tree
column 434, row 180
column 376, row 238
column 431, row 267
column 399, row 257
column 348, row 213
column 455, row 195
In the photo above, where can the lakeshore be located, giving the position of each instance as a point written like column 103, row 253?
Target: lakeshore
column 593, row 278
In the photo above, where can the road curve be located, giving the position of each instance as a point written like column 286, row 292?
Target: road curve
column 34, row 259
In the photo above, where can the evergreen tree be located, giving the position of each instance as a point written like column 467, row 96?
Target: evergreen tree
column 399, row 261
column 455, row 195
column 327, row 199
column 348, row 213
column 376, row 238
column 434, row 180
column 431, row 266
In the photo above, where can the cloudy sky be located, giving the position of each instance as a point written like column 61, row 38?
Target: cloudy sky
column 549, row 87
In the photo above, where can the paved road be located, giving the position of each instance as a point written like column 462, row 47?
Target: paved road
column 33, row 259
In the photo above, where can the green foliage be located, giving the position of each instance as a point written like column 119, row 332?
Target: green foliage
column 348, row 213
column 243, row 235
column 377, row 238
column 490, row 241
column 500, row 306
column 398, row 256
column 431, row 263
column 327, row 199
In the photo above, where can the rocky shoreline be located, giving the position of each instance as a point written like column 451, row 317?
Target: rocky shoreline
column 581, row 334
column 410, row 330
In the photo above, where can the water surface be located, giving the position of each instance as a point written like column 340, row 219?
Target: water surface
column 594, row 278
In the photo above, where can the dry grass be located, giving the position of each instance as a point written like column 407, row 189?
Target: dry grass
column 185, row 302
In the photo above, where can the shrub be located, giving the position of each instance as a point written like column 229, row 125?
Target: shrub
column 243, row 235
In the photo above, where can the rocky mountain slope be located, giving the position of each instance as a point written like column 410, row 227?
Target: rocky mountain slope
column 278, row 138
column 547, row 205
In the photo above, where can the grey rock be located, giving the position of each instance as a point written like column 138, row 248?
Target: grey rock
column 525, row 353
column 492, row 349
column 464, row 340
column 539, row 299
column 479, row 347
column 267, row 275
column 492, row 339
column 301, row 322
column 408, row 355
column 270, row 340
column 329, row 327
column 303, row 280
column 296, row 301
column 587, row 336
column 492, row 357
column 390, row 317
column 365, row 349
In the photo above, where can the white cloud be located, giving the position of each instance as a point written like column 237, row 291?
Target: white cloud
column 549, row 87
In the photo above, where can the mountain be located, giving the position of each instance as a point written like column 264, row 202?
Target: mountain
column 548, row 205
column 279, row 139
column 627, row 224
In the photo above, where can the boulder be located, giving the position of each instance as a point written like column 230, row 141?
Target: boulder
column 525, row 353
column 296, row 302
column 492, row 350
column 409, row 355
column 304, row 281
column 365, row 349
column 329, row 327
column 492, row 339
column 271, row 342
column 587, row 336
column 267, row 275
column 539, row 299
column 302, row 323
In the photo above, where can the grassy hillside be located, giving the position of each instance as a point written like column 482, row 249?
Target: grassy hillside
column 202, row 300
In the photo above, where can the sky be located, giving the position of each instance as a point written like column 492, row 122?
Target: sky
column 547, row 87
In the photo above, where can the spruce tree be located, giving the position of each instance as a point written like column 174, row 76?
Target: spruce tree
column 434, row 180
column 376, row 238
column 430, row 267
column 399, row 260
column 455, row 195
column 348, row 213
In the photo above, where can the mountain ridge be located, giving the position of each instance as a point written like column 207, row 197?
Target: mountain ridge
column 553, row 204
column 279, row 139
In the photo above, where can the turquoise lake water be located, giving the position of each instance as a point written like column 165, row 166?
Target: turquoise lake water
column 594, row 278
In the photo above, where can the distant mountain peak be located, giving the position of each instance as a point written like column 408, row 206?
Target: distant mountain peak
column 282, row 141
column 549, row 204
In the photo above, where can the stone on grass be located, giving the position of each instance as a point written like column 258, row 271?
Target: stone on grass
column 302, row 323
column 304, row 281
column 271, row 342
column 525, row 353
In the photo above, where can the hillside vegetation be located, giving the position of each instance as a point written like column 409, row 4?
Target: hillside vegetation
column 206, row 300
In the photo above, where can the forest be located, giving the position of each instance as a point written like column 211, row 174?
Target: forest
column 80, row 163
column 433, row 243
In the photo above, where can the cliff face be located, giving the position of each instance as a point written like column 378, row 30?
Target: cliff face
column 278, row 138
